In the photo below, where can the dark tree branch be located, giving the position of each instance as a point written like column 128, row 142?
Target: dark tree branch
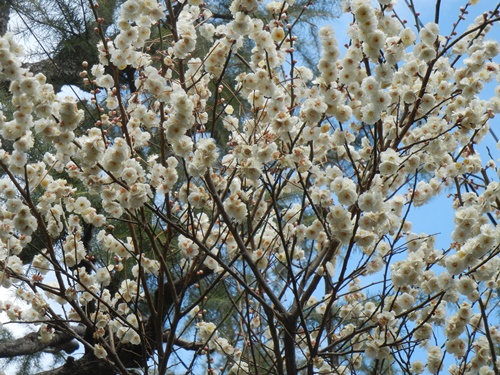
column 184, row 344
column 88, row 364
column 31, row 343
column 222, row 16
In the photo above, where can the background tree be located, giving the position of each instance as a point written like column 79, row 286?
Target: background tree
column 59, row 36
column 297, row 220
column 60, row 33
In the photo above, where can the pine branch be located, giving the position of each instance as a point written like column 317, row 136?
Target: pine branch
column 31, row 343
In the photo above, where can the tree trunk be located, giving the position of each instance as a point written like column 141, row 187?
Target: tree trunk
column 4, row 16
column 290, row 346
